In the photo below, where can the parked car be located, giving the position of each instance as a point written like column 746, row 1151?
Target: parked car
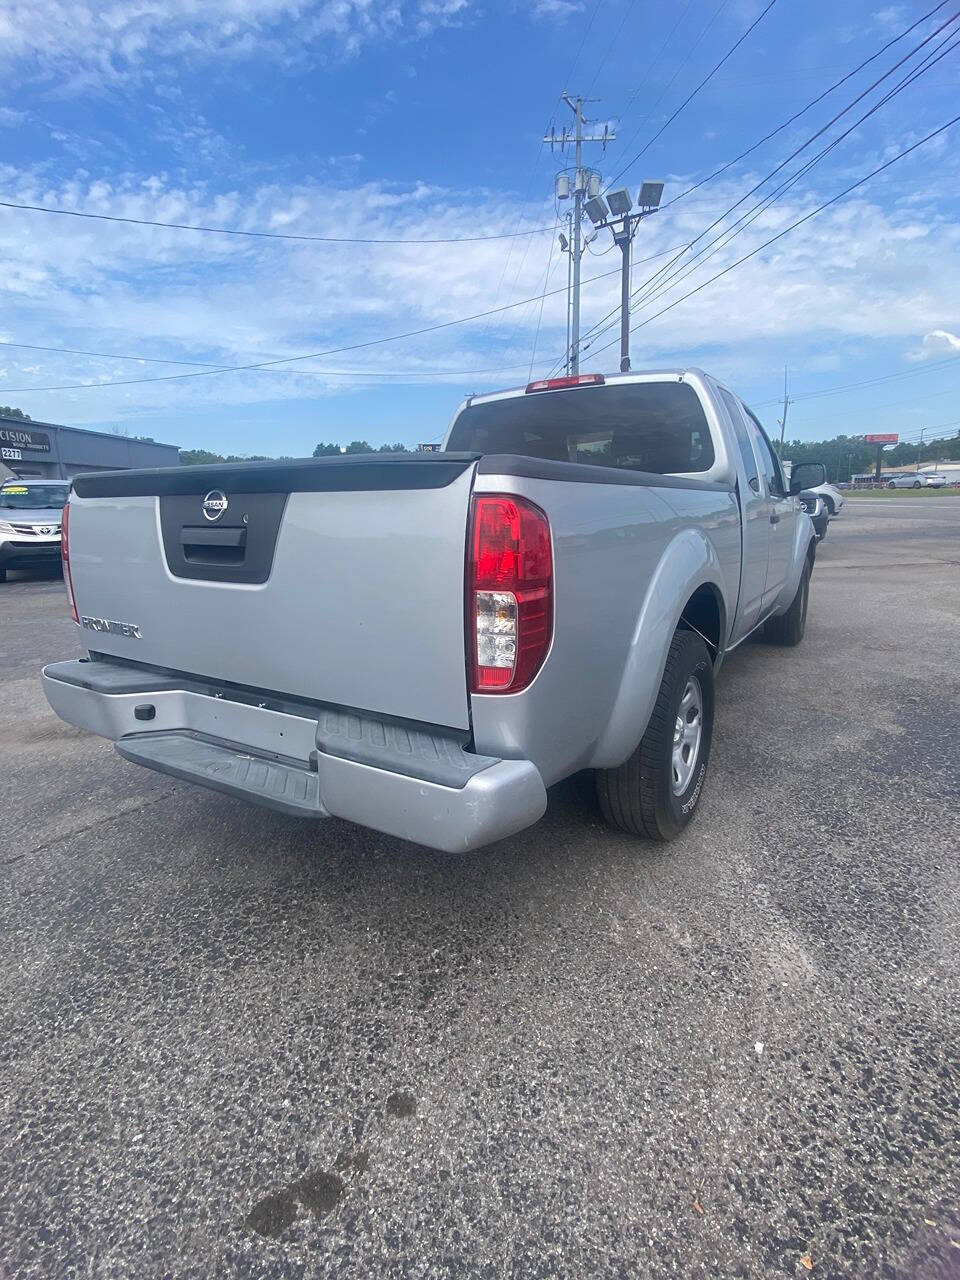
column 935, row 480
column 30, row 514
column 832, row 498
column 309, row 635
column 912, row 480
column 816, row 509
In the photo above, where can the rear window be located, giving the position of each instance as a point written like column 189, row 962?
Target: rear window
column 640, row 426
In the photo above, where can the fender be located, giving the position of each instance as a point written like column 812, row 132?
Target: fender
column 804, row 548
column 688, row 559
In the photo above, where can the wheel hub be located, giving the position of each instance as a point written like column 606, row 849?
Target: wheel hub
column 687, row 734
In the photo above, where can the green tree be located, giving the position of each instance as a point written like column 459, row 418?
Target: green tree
column 358, row 446
column 324, row 450
column 7, row 412
column 198, row 457
column 393, row 448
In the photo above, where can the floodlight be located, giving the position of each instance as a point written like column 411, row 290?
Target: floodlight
column 620, row 202
column 597, row 210
column 650, row 194
column 564, row 243
column 563, row 186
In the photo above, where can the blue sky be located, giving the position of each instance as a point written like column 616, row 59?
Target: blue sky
column 423, row 118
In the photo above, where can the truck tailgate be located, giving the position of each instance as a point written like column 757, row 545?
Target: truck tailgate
column 339, row 580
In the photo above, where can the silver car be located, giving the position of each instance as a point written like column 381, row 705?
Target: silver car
column 30, row 516
column 911, row 481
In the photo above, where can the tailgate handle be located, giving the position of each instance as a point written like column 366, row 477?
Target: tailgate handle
column 202, row 545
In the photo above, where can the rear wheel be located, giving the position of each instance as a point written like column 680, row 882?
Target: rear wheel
column 789, row 627
column 917, row 484
column 830, row 505
column 656, row 792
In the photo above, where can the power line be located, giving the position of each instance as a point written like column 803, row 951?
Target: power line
column 546, row 281
column 867, row 382
column 690, row 96
column 786, row 230
column 314, row 355
column 267, row 367
column 268, row 235
column 803, row 110
column 657, row 288
column 657, row 284
column 323, row 373
column 691, row 48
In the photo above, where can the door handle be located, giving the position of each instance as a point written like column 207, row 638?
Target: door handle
column 774, row 519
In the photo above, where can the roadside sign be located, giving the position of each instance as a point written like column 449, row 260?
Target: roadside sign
column 428, row 448
column 891, row 437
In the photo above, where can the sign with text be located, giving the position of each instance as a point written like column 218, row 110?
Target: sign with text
column 22, row 438
column 891, row 437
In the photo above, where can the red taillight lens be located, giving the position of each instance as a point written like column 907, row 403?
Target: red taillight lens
column 510, row 600
column 65, row 553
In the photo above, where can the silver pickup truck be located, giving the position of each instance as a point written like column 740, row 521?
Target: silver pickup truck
column 424, row 644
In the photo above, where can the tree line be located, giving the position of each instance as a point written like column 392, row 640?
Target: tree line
column 204, row 457
column 846, row 456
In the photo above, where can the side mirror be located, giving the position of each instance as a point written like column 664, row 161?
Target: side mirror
column 807, row 475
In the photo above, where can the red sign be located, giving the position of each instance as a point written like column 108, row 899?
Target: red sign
column 889, row 438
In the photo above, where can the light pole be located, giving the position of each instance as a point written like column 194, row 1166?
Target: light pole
column 920, row 447
column 615, row 213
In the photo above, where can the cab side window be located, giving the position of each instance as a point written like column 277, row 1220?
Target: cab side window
column 769, row 462
column 739, row 421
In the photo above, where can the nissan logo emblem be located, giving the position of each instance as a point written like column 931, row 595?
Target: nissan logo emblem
column 215, row 504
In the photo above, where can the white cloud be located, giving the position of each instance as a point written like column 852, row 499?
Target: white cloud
column 936, row 343
column 91, row 42
column 857, row 275
column 561, row 9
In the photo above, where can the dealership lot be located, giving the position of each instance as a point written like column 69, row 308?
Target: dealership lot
column 232, row 1043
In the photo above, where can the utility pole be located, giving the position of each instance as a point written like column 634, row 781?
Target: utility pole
column 786, row 404
column 581, row 180
column 565, row 248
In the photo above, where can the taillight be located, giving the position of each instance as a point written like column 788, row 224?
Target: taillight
column 510, row 600
column 65, row 553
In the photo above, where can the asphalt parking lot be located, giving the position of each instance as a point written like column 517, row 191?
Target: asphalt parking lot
column 235, row 1045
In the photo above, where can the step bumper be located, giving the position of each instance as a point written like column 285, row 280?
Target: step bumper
column 414, row 782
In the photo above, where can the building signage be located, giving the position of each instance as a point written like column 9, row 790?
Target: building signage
column 891, row 437
column 21, row 438
column 11, row 455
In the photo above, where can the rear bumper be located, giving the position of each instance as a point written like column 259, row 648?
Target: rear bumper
column 408, row 781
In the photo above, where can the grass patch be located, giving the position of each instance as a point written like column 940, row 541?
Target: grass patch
column 853, row 494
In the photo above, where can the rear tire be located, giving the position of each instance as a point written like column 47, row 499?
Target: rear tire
column 789, row 627
column 656, row 792
column 917, row 484
column 830, row 505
